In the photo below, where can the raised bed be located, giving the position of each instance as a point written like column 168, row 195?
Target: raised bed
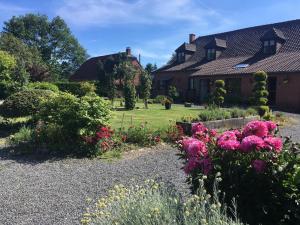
column 217, row 124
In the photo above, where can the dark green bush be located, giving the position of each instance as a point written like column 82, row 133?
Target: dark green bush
column 43, row 86
column 129, row 95
column 159, row 99
column 219, row 93
column 76, row 88
column 24, row 103
column 260, row 93
column 6, row 89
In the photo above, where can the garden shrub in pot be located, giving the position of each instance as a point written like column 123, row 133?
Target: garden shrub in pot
column 168, row 104
column 258, row 169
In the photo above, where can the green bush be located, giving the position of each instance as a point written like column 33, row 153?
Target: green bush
column 76, row 88
column 159, row 99
column 24, row 103
column 237, row 112
column 6, row 89
column 155, row 203
column 260, row 93
column 129, row 95
column 43, row 86
column 214, row 114
column 23, row 136
column 219, row 93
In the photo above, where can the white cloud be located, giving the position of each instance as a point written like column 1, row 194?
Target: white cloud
column 107, row 12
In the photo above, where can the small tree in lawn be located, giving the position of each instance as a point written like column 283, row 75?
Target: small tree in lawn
column 260, row 93
column 219, row 93
column 129, row 87
column 145, row 87
column 173, row 93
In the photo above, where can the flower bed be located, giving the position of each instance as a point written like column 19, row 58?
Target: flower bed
column 258, row 169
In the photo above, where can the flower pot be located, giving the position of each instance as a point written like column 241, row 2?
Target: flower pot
column 168, row 105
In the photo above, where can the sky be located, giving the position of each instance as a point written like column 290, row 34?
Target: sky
column 152, row 28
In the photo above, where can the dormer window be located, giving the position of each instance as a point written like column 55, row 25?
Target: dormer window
column 211, row 54
column 180, row 57
column 269, row 46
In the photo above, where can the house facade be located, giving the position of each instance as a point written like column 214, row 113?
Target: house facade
column 89, row 70
column 234, row 56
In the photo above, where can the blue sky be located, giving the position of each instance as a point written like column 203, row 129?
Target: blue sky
column 152, row 28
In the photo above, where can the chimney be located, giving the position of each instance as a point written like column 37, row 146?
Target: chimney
column 140, row 58
column 192, row 38
column 128, row 51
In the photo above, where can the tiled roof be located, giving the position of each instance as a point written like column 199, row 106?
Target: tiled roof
column 244, row 46
column 186, row 47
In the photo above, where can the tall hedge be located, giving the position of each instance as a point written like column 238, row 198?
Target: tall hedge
column 260, row 93
column 219, row 93
column 76, row 88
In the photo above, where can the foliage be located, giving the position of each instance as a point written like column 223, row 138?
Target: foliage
column 145, row 87
column 260, row 93
column 174, row 133
column 7, row 66
column 150, row 68
column 156, row 203
column 141, row 135
column 159, row 99
column 29, row 63
column 129, row 87
column 24, row 103
column 24, row 135
column 59, row 49
column 76, row 88
column 173, row 93
column 253, row 166
column 43, row 86
column 167, row 103
column 219, row 93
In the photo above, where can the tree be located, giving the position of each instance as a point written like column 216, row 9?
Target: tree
column 219, row 92
column 29, row 63
column 260, row 93
column 172, row 59
column 145, row 87
column 150, row 68
column 59, row 49
column 129, row 87
column 173, row 93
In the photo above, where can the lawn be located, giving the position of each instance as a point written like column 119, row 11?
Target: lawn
column 156, row 116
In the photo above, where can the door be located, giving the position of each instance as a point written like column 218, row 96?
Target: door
column 272, row 86
column 204, row 90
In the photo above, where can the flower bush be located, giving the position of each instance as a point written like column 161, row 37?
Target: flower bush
column 254, row 166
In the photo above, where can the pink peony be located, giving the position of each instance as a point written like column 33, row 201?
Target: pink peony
column 227, row 135
column 259, row 165
column 251, row 143
column 273, row 143
column 191, row 165
column 271, row 126
column 229, row 145
column 198, row 127
column 257, row 128
column 213, row 132
column 206, row 165
column 202, row 136
column 194, row 148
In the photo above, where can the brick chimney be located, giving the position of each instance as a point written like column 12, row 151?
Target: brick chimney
column 128, row 51
column 192, row 38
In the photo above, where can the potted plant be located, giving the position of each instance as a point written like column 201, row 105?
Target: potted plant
column 168, row 103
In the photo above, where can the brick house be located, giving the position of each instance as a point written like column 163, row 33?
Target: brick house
column 89, row 70
column 234, row 56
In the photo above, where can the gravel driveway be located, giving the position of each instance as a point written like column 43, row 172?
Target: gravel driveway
column 51, row 193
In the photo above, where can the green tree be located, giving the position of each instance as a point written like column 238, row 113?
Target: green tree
column 59, row 49
column 219, row 93
column 150, row 67
column 29, row 60
column 145, row 87
column 260, row 93
column 129, row 86
column 173, row 93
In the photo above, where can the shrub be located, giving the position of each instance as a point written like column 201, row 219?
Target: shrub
column 76, row 88
column 260, row 94
column 159, row 99
column 43, row 86
column 24, row 135
column 237, row 112
column 24, row 103
column 145, row 87
column 219, row 93
column 129, row 95
column 174, row 133
column 214, row 114
column 156, row 203
column 7, row 88
column 252, row 165
column 173, row 93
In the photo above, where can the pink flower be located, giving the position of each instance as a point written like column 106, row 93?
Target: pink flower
column 186, row 142
column 229, row 145
column 194, row 148
column 251, row 143
column 202, row 136
column 227, row 135
column 191, row 165
column 213, row 132
column 198, row 127
column 206, row 165
column 271, row 126
column 273, row 143
column 257, row 128
column 259, row 165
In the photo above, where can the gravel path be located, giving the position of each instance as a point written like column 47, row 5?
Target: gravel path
column 53, row 193
column 293, row 129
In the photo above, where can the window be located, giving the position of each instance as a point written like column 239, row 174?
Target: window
column 211, row 54
column 180, row 57
column 269, row 47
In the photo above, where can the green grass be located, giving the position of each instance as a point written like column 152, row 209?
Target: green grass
column 156, row 116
